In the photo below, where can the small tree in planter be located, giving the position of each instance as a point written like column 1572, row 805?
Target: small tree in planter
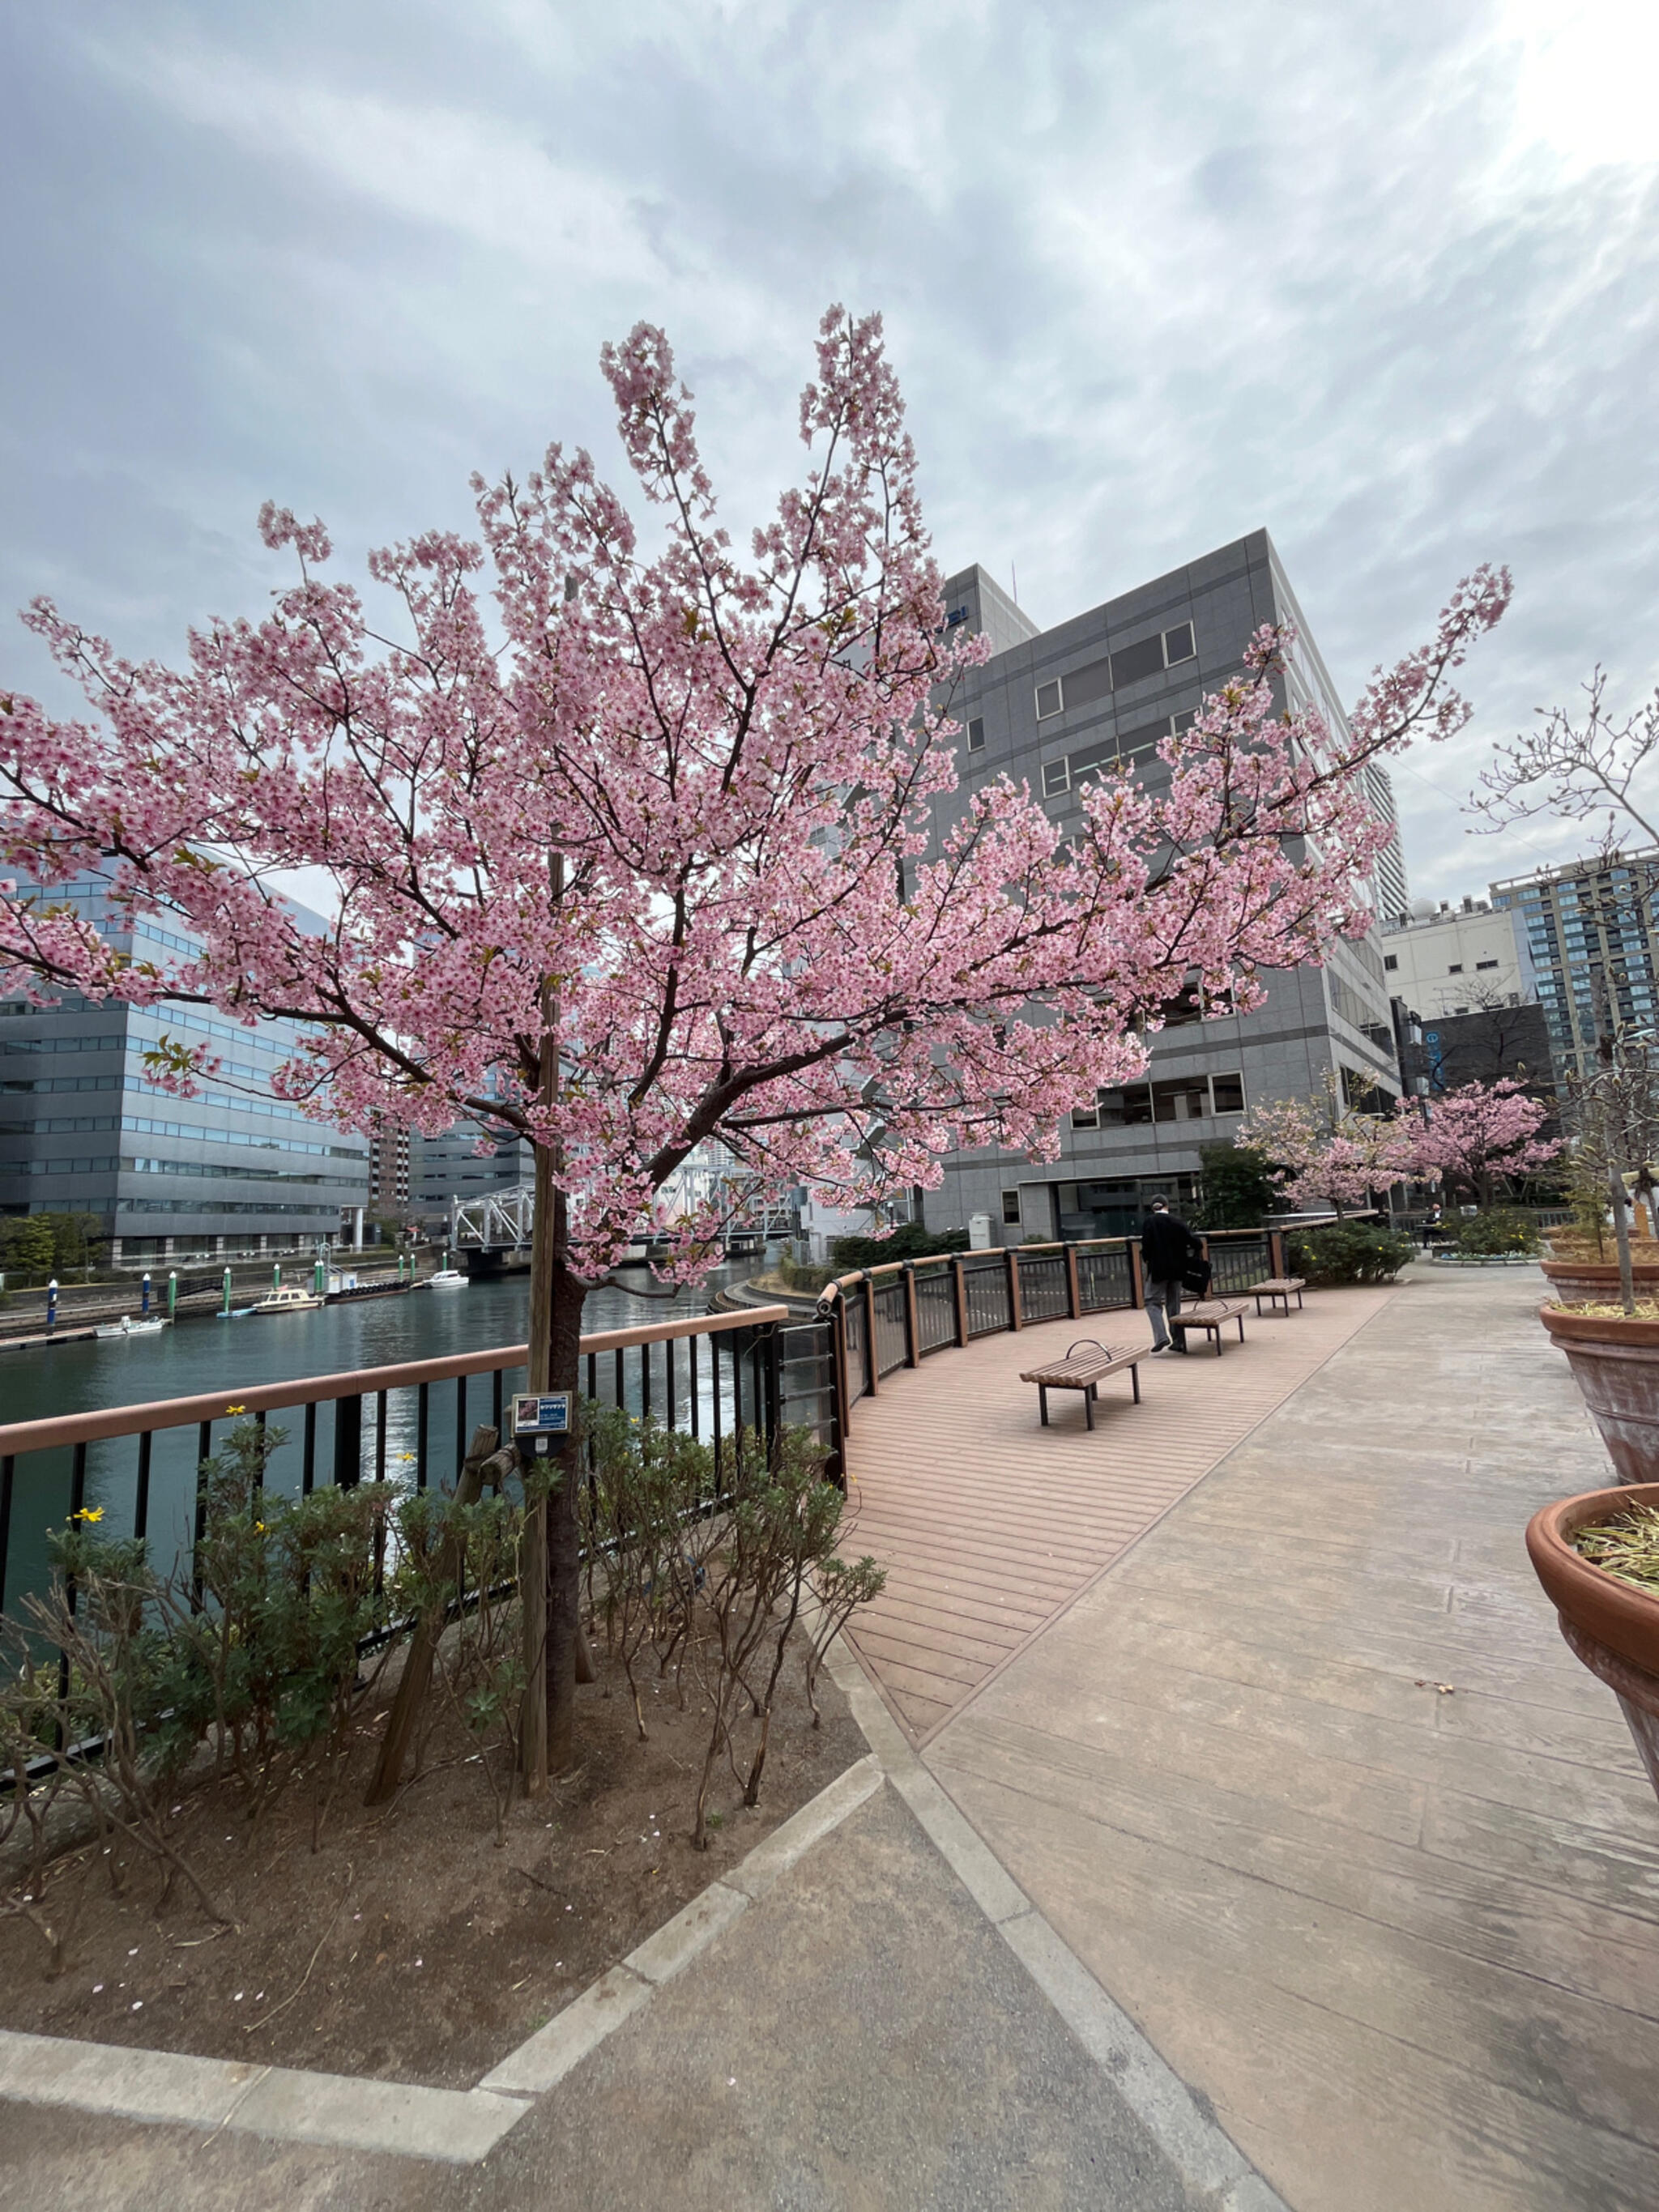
column 1597, row 1557
column 1614, row 1355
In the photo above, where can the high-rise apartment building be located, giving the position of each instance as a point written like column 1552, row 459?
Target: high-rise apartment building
column 388, row 1174
column 81, row 1131
column 1591, row 937
column 1058, row 707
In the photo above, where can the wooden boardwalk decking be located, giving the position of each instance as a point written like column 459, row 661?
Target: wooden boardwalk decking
column 990, row 1526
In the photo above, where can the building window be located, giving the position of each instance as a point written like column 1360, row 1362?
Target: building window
column 1134, row 1104
column 1056, row 778
column 1048, row 700
column 1486, row 963
column 1390, row 959
column 1133, row 664
column 1456, row 968
column 957, row 615
column 976, row 734
column 1183, row 1098
column 1011, row 1207
column 1085, row 1117
column 1229, row 1091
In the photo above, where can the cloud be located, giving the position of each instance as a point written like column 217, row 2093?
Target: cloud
column 1382, row 281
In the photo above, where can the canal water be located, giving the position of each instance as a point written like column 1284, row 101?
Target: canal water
column 199, row 1355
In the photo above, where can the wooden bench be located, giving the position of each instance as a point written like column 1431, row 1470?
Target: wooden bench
column 1085, row 1365
column 1212, row 1316
column 1276, row 1289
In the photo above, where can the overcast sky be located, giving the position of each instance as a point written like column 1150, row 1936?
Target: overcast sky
column 1382, row 280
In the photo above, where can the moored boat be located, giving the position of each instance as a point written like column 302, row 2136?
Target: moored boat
column 289, row 1299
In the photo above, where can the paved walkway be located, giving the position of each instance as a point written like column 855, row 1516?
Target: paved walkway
column 989, row 1525
column 1407, row 1939
column 1402, row 1939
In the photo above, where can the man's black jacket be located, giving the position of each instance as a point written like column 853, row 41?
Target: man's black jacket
column 1166, row 1245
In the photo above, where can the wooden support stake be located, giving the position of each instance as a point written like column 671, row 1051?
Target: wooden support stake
column 1074, row 1290
column 1014, row 1320
column 961, row 1275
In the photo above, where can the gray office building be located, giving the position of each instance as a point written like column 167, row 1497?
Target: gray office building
column 1057, row 706
column 443, row 1170
column 233, row 1169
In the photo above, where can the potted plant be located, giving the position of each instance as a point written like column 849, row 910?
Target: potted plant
column 1597, row 1557
column 1612, row 1343
column 1582, row 1264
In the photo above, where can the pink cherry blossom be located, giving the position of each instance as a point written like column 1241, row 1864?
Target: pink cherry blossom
column 1482, row 1133
column 629, row 837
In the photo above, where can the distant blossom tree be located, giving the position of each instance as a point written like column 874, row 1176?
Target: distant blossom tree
column 1480, row 1135
column 640, row 857
column 1322, row 1148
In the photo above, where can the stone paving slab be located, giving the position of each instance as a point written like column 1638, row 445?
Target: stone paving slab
column 860, row 2037
column 1407, row 1941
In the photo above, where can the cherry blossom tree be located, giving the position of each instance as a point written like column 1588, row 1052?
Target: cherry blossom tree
column 1322, row 1148
column 1480, row 1134
column 630, row 841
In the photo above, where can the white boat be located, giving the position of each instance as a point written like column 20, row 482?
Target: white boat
column 449, row 1278
column 151, row 1326
column 289, row 1299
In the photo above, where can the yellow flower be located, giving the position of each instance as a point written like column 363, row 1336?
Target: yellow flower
column 258, row 1528
column 236, row 1409
column 88, row 1513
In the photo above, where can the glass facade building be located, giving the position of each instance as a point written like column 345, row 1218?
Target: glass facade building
column 233, row 1170
column 1590, row 934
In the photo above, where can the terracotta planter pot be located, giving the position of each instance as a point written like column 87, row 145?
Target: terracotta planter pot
column 1608, row 1625
column 1593, row 1282
column 1615, row 1363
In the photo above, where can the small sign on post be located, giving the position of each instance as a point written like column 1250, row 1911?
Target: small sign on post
column 540, row 1419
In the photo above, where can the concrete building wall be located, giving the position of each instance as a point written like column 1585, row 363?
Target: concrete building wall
column 1458, row 959
column 1045, row 708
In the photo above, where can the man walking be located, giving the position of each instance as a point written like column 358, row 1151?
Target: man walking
column 1168, row 1249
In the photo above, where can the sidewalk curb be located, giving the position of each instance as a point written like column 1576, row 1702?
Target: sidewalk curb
column 455, row 2127
column 1200, row 2149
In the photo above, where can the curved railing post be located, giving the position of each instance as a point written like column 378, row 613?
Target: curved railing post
column 871, row 1357
column 1137, row 1273
column 1073, row 1293
column 959, row 1276
column 1014, row 1320
column 911, row 1319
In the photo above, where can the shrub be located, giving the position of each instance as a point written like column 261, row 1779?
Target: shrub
column 910, row 1241
column 1349, row 1252
column 802, row 1275
column 1497, row 1229
column 1237, row 1187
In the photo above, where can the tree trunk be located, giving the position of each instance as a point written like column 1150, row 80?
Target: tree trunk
column 1621, row 1234
column 564, row 1648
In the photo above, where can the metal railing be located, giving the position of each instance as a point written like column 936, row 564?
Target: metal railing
column 899, row 1313
column 714, row 1375
column 139, row 1467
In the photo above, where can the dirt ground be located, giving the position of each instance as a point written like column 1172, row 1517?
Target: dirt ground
column 412, row 1946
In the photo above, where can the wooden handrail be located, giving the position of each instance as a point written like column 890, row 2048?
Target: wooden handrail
column 17, row 1436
